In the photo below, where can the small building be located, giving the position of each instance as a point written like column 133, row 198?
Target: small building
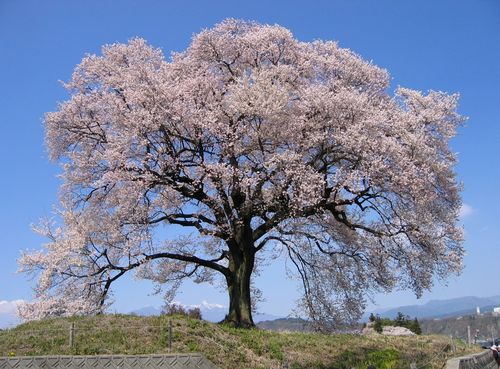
column 496, row 311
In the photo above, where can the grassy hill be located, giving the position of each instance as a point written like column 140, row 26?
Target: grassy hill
column 225, row 346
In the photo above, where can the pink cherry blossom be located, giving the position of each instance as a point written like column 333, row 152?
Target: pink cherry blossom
column 247, row 146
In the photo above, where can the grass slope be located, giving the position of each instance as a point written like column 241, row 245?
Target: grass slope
column 225, row 346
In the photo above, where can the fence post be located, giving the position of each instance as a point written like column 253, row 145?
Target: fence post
column 452, row 343
column 469, row 341
column 71, row 335
column 284, row 363
column 170, row 335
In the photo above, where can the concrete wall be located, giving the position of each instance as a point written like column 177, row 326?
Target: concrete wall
column 174, row 361
column 483, row 360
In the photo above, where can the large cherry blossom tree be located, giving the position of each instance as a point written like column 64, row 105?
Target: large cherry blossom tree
column 248, row 146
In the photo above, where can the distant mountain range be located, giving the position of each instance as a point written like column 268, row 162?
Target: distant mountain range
column 433, row 309
column 211, row 312
column 443, row 308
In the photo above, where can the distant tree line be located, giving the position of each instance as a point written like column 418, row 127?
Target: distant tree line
column 401, row 320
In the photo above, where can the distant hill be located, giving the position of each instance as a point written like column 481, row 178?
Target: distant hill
column 435, row 309
column 443, row 308
column 146, row 311
column 485, row 325
column 302, row 325
column 286, row 325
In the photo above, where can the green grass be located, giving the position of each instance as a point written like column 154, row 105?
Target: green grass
column 227, row 347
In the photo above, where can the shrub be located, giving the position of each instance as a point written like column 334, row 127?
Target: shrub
column 176, row 309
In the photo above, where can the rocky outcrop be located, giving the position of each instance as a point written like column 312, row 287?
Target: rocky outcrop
column 387, row 330
column 397, row 331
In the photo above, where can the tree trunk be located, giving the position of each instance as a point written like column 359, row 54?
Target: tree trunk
column 241, row 263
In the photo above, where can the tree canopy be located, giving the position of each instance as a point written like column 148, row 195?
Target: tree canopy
column 258, row 146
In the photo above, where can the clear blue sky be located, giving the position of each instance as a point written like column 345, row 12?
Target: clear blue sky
column 448, row 45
